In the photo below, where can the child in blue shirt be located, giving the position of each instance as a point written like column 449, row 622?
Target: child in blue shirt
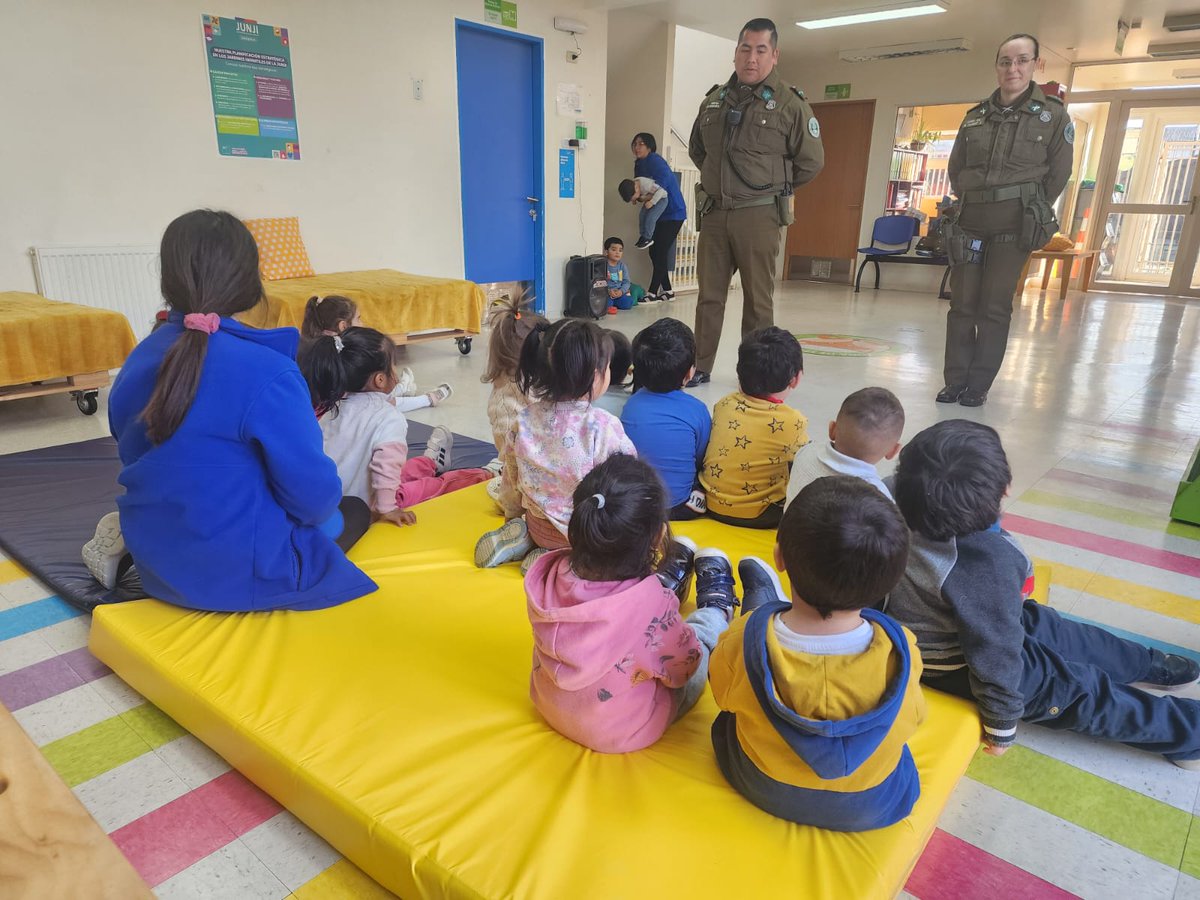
column 669, row 428
column 618, row 277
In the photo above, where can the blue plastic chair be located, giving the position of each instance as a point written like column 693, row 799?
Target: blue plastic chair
column 890, row 236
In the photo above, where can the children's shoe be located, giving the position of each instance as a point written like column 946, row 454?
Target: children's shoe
column 531, row 557
column 1170, row 672
column 1192, row 765
column 406, row 383
column 495, row 466
column 105, row 552
column 438, row 448
column 714, row 581
column 493, row 489
column 440, row 394
column 506, row 544
column 612, row 310
column 760, row 584
column 697, row 502
column 644, row 243
column 675, row 570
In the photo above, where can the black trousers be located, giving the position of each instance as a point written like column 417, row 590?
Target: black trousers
column 356, row 519
column 981, row 295
column 660, row 254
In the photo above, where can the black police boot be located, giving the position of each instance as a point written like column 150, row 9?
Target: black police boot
column 675, row 570
column 760, row 584
column 714, row 581
column 972, row 397
column 699, row 378
column 950, row 393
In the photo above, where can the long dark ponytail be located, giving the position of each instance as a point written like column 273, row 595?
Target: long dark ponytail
column 335, row 366
column 209, row 265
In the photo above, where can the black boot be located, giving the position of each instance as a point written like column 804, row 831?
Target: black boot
column 714, row 581
column 760, row 584
column 675, row 570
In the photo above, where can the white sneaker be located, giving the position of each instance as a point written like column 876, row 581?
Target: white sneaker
column 441, row 441
column 1192, row 765
column 493, row 489
column 440, row 393
column 103, row 553
column 495, row 466
column 406, row 383
column 697, row 502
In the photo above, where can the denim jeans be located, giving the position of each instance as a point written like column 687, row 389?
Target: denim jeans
column 648, row 218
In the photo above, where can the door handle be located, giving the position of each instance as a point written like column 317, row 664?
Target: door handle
column 533, row 199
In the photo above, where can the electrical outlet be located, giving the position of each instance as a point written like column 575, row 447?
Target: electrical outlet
column 418, row 88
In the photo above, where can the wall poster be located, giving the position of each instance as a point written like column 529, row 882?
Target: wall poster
column 253, row 98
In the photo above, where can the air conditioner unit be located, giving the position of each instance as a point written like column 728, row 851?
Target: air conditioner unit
column 1173, row 49
column 1182, row 22
column 904, row 51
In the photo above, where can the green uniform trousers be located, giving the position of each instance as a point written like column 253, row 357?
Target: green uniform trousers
column 735, row 240
column 981, row 295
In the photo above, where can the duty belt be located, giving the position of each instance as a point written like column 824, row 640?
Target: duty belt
column 1027, row 190
column 745, row 204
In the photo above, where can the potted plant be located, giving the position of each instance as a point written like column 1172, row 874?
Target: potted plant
column 922, row 136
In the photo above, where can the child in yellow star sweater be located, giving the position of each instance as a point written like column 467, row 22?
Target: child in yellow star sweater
column 755, row 435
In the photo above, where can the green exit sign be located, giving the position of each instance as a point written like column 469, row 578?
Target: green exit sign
column 837, row 92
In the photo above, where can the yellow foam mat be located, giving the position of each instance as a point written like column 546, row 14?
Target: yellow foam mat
column 390, row 301
column 399, row 727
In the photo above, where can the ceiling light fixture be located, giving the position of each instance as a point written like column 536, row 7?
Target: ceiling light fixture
column 902, row 9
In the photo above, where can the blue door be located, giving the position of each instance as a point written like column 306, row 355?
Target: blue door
column 501, row 154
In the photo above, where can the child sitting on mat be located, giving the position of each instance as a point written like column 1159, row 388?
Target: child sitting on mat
column 819, row 693
column 510, row 325
column 333, row 314
column 614, row 399
column 867, row 430
column 614, row 662
column 230, row 502
column 351, row 377
column 556, row 440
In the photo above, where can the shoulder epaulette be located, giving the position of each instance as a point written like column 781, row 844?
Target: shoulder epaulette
column 711, row 89
column 1055, row 98
column 799, row 93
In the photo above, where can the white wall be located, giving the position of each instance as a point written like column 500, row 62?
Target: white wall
column 109, row 130
column 640, row 50
column 920, row 81
column 701, row 60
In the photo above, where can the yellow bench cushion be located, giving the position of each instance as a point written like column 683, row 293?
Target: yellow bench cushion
column 42, row 339
column 389, row 301
column 399, row 727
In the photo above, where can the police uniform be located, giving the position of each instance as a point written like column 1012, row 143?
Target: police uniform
column 1007, row 166
column 752, row 145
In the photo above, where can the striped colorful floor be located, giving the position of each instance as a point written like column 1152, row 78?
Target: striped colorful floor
column 1059, row 816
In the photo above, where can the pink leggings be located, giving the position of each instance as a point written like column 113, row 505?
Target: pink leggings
column 419, row 481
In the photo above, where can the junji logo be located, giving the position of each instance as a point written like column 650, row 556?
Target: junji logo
column 247, row 27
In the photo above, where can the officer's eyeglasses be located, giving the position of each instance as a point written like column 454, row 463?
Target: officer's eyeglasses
column 1021, row 61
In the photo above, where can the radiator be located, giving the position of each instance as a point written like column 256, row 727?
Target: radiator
column 124, row 278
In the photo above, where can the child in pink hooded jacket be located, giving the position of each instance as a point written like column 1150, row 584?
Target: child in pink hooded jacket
column 614, row 662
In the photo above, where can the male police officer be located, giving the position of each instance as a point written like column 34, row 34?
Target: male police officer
column 1010, row 161
column 754, row 140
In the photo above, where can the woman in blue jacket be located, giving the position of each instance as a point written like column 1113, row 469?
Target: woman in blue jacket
column 230, row 502
column 662, row 252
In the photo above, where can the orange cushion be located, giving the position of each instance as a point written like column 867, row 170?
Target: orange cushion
column 281, row 252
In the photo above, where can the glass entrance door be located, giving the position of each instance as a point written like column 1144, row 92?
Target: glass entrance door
column 1148, row 201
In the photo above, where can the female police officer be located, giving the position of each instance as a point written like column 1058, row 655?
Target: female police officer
column 1010, row 161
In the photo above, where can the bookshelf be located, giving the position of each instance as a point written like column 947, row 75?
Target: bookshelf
column 906, row 180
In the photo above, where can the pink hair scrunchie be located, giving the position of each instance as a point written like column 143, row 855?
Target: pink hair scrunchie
column 206, row 322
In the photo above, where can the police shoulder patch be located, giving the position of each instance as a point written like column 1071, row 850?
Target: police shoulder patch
column 1069, row 133
column 814, row 127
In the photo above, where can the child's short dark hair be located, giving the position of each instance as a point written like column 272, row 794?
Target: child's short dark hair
column 876, row 411
column 844, row 544
column 768, row 360
column 622, row 358
column 627, row 189
column 617, row 521
column 559, row 362
column 663, row 353
column 951, row 479
column 608, row 242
